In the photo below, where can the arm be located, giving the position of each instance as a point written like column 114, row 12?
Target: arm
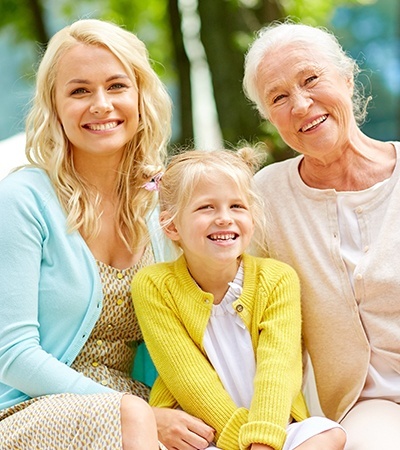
column 31, row 316
column 278, row 378
column 182, row 365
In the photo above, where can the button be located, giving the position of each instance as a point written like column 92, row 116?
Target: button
column 104, row 382
column 239, row 308
column 99, row 342
column 359, row 276
column 207, row 300
column 120, row 275
column 359, row 210
column 366, row 248
column 120, row 301
column 95, row 364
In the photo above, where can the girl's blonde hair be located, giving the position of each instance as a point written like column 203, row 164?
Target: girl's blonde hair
column 188, row 168
column 48, row 147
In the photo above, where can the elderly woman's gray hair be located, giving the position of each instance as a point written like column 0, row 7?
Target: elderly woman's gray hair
column 278, row 34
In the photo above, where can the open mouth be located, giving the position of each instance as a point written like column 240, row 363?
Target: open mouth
column 314, row 123
column 223, row 237
column 102, row 126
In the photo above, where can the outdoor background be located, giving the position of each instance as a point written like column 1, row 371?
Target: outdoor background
column 198, row 49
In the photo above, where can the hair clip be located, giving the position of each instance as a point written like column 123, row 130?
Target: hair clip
column 154, row 183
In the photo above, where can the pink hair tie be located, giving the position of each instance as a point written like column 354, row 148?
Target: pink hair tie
column 154, row 183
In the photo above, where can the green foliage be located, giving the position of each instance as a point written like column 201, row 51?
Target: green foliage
column 16, row 18
column 31, row 21
column 316, row 12
column 147, row 19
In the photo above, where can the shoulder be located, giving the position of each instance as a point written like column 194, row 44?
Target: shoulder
column 269, row 269
column 28, row 182
column 28, row 199
column 275, row 172
column 154, row 271
column 156, row 274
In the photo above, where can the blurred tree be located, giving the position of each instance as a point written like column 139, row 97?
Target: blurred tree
column 226, row 29
column 27, row 17
column 371, row 35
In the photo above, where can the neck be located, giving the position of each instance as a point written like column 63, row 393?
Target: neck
column 101, row 173
column 356, row 168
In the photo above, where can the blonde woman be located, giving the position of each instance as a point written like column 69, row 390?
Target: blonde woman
column 75, row 227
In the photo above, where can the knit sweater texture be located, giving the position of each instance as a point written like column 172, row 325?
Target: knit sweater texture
column 50, row 292
column 173, row 313
column 340, row 325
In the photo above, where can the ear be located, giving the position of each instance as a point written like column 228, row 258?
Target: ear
column 169, row 226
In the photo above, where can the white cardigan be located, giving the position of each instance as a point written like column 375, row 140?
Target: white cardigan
column 305, row 234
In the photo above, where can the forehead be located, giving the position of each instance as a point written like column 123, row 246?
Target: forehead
column 288, row 61
column 214, row 185
column 84, row 58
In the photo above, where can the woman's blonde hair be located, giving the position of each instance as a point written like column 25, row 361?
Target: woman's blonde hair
column 190, row 167
column 48, row 147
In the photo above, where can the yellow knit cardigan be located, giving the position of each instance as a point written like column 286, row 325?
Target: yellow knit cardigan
column 173, row 313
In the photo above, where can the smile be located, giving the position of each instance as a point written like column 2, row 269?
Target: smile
column 102, row 126
column 314, row 123
column 223, row 237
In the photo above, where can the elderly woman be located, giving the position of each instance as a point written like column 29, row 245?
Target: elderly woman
column 335, row 218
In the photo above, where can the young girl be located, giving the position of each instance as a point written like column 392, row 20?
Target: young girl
column 223, row 327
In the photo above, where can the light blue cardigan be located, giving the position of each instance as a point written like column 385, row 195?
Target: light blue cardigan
column 50, row 293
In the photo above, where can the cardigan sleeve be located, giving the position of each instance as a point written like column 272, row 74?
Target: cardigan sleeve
column 24, row 364
column 278, row 377
column 184, row 369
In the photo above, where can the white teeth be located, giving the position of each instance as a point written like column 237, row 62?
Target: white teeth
column 314, row 123
column 222, row 237
column 102, row 126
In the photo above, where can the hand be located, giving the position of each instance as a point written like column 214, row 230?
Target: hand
column 178, row 430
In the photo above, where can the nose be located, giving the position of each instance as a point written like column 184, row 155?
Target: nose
column 301, row 101
column 223, row 218
column 101, row 104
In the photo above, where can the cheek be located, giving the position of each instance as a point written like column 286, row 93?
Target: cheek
column 64, row 114
column 281, row 122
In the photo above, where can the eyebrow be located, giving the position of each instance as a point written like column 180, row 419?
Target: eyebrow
column 83, row 81
column 300, row 74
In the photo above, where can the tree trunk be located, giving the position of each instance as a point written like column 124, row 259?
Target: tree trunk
column 221, row 22
column 183, row 71
column 36, row 9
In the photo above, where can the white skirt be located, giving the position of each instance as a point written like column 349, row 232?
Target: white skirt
column 299, row 432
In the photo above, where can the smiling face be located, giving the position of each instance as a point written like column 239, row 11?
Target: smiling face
column 307, row 100
column 96, row 102
column 216, row 226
